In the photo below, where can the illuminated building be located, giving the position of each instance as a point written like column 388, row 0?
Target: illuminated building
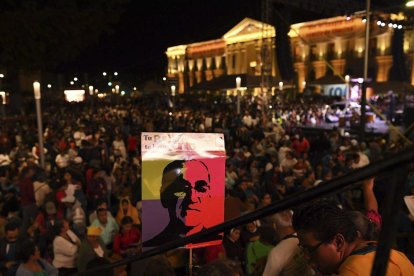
column 338, row 41
column 238, row 52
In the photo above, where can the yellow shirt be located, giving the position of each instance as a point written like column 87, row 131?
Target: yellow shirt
column 361, row 265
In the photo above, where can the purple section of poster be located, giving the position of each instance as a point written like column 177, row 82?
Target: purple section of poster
column 155, row 218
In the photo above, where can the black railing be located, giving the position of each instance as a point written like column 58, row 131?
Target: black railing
column 395, row 163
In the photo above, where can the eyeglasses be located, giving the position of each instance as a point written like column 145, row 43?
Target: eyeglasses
column 310, row 250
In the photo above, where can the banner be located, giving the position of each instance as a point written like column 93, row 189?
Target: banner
column 183, row 176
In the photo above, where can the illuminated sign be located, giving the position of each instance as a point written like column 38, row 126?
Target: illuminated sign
column 74, row 95
column 3, row 96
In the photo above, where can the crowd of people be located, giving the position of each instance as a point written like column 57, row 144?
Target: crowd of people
column 83, row 208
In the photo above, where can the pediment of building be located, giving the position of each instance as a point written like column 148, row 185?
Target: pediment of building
column 249, row 29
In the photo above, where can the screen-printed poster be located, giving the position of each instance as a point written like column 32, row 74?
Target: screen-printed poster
column 183, row 176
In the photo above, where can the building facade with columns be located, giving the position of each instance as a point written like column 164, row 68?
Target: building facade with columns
column 319, row 48
column 338, row 44
column 238, row 52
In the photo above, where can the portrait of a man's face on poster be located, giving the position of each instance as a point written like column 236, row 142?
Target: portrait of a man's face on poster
column 183, row 176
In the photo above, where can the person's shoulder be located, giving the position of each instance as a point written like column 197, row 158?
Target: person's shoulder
column 286, row 247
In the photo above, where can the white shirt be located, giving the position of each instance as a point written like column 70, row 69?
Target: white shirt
column 285, row 259
column 363, row 161
column 65, row 252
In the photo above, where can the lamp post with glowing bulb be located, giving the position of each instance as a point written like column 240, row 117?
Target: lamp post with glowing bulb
column 238, row 84
column 364, row 85
column 91, row 95
column 173, row 95
column 37, row 96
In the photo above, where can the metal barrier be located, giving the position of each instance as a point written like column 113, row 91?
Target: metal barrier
column 395, row 163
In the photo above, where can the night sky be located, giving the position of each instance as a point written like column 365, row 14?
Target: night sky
column 147, row 28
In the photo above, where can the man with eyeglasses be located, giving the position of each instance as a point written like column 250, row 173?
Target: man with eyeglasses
column 185, row 192
column 330, row 242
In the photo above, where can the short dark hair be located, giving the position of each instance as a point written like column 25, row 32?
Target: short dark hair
column 101, row 210
column 125, row 220
column 26, row 249
column 57, row 227
column 11, row 226
column 368, row 229
column 101, row 201
column 325, row 220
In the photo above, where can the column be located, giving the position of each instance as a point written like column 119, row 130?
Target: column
column 219, row 67
column 339, row 66
column 320, row 68
column 384, row 66
column 238, row 53
column 229, row 59
column 412, row 68
column 300, row 68
column 191, row 72
column 180, row 82
column 208, row 72
column 191, row 78
column 199, row 72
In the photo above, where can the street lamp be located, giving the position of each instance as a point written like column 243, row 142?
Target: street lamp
column 238, row 85
column 37, row 96
column 173, row 90
column 409, row 4
column 90, row 90
column 117, row 89
column 115, row 73
column 366, row 56
column 49, row 86
column 104, row 74
column 1, row 75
